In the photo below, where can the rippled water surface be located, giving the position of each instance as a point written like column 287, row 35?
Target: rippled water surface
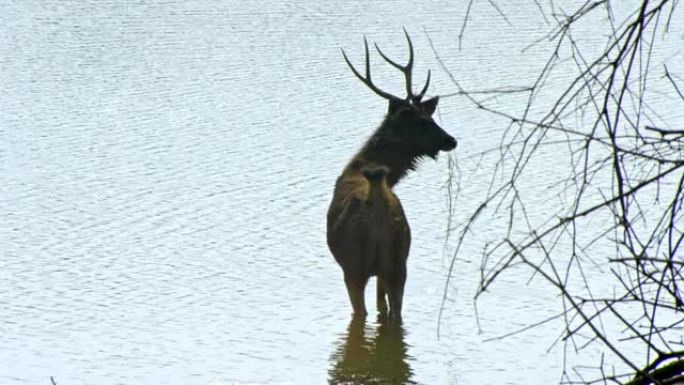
column 165, row 168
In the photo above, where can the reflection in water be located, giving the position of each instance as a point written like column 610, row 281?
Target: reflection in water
column 379, row 358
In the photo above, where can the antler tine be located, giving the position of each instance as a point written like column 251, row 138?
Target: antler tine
column 407, row 69
column 367, row 80
column 422, row 92
column 409, row 66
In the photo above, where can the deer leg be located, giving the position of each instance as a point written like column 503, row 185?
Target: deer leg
column 381, row 294
column 355, row 288
column 395, row 292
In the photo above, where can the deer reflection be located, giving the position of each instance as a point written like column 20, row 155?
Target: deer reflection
column 368, row 357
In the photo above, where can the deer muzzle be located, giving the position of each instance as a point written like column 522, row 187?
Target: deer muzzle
column 449, row 143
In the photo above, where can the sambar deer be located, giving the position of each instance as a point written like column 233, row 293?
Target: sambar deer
column 367, row 231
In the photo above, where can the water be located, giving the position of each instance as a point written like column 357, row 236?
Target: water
column 165, row 171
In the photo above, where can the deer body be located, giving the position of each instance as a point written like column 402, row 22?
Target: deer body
column 367, row 230
column 368, row 234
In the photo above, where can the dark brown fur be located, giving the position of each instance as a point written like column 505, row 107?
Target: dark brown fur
column 368, row 233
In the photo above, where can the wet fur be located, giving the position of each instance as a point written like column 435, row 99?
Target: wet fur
column 368, row 233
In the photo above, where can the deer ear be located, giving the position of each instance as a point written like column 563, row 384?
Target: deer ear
column 394, row 105
column 430, row 105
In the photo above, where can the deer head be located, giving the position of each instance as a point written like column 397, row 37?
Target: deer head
column 409, row 120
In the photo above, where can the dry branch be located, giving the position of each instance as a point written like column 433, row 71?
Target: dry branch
column 623, row 189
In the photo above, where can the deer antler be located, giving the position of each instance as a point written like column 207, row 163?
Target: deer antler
column 367, row 80
column 407, row 70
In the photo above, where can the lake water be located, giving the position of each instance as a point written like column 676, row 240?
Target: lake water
column 165, row 169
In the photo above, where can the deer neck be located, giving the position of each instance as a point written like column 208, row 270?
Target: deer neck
column 393, row 154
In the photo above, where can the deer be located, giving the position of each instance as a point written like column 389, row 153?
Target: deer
column 367, row 230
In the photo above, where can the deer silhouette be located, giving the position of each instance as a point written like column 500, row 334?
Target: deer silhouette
column 367, row 230
column 371, row 355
